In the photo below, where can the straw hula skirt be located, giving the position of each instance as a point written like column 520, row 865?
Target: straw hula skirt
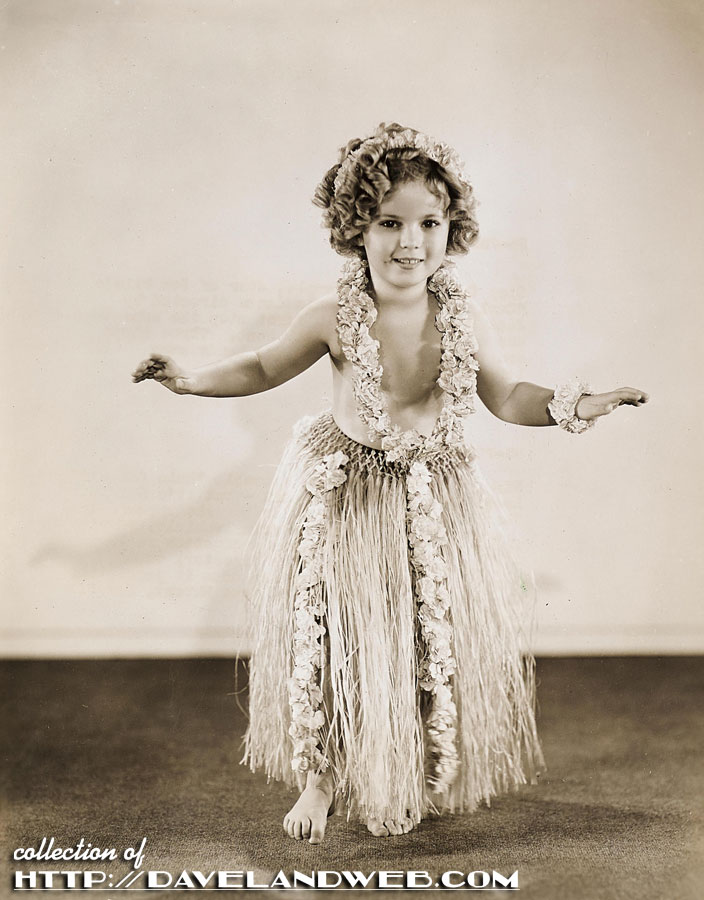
column 360, row 646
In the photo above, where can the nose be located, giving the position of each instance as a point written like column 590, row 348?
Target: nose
column 410, row 237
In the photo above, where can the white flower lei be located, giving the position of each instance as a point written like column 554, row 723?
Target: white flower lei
column 407, row 139
column 458, row 367
column 426, row 532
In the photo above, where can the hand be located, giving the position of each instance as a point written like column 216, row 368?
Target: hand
column 591, row 406
column 164, row 370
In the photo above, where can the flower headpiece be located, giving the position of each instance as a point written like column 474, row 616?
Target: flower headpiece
column 407, row 139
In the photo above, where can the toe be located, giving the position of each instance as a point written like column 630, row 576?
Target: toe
column 297, row 830
column 305, row 828
column 392, row 827
column 377, row 828
column 317, row 832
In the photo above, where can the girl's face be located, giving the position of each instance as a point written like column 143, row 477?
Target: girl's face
column 407, row 239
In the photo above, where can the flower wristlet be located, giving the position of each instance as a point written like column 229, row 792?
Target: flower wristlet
column 563, row 406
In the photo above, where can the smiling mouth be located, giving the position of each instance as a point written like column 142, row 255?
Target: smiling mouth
column 407, row 260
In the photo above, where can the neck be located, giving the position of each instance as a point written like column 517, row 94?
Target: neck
column 389, row 296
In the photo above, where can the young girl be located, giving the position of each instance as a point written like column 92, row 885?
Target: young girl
column 388, row 674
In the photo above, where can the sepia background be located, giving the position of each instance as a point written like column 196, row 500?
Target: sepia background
column 158, row 162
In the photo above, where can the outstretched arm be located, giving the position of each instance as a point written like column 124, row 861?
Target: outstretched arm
column 523, row 403
column 304, row 342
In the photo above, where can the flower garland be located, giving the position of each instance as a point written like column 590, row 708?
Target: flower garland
column 458, row 367
column 305, row 695
column 426, row 533
column 407, row 139
column 426, row 537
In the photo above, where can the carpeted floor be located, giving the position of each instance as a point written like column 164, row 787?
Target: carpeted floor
column 114, row 751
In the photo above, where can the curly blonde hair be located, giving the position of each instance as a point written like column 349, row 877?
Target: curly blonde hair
column 351, row 202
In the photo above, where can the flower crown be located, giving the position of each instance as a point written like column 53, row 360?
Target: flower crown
column 407, row 139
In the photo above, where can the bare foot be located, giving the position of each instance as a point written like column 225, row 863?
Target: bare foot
column 309, row 815
column 387, row 827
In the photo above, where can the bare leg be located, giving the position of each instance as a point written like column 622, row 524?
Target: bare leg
column 309, row 815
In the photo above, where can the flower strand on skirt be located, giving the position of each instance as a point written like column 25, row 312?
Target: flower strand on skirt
column 304, row 691
column 427, row 536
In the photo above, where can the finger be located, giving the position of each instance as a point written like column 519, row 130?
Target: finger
column 629, row 392
column 161, row 359
column 632, row 396
column 141, row 369
column 641, row 398
column 146, row 366
column 142, row 375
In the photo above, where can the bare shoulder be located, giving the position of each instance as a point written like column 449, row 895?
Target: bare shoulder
column 325, row 308
column 310, row 336
column 321, row 315
column 489, row 353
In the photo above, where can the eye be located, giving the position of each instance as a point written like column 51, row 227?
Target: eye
column 431, row 223
column 388, row 223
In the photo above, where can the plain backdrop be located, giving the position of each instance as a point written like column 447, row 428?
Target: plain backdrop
column 158, row 160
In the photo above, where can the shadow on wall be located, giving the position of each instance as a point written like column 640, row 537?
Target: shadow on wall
column 226, row 499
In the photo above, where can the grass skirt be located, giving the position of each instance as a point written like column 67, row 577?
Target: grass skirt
column 373, row 737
